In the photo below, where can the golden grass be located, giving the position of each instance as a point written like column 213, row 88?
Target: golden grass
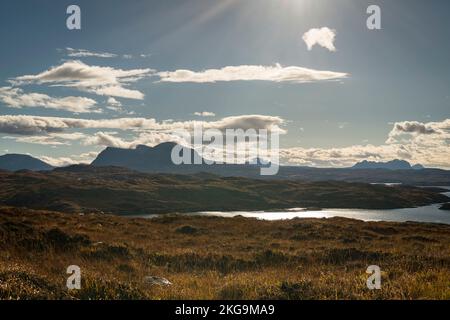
column 219, row 258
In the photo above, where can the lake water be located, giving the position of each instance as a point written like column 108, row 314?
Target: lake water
column 422, row 214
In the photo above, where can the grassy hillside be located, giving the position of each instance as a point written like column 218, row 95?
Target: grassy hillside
column 120, row 191
column 211, row 257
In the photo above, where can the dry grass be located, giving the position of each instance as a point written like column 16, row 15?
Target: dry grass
column 210, row 258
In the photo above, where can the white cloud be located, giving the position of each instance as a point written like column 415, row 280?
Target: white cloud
column 107, row 140
column 323, row 37
column 68, row 136
column 246, row 122
column 130, row 133
column 416, row 142
column 95, row 79
column 83, row 158
column 149, row 138
column 118, row 91
column 275, row 73
column 428, row 142
column 42, row 140
column 16, row 98
column 415, row 127
column 52, row 139
column 430, row 133
column 114, row 104
column 336, row 157
column 29, row 125
column 82, row 53
column 205, row 114
column 424, row 143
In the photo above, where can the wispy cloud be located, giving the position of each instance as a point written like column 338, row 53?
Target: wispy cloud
column 86, row 158
column 42, row 140
column 275, row 73
column 17, row 98
column 323, row 37
column 82, row 53
column 52, row 139
column 114, row 104
column 32, row 125
column 205, row 114
column 106, row 81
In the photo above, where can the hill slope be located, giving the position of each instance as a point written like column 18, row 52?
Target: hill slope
column 121, row 191
column 14, row 162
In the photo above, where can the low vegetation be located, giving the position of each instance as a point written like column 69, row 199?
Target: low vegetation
column 212, row 257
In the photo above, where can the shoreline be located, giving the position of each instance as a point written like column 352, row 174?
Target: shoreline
column 390, row 215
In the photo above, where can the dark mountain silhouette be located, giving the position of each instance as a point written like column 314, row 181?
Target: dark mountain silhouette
column 158, row 160
column 143, row 158
column 390, row 165
column 15, row 162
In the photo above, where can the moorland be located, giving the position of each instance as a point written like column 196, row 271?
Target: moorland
column 218, row 258
column 120, row 191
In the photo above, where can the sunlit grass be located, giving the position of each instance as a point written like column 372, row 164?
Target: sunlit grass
column 219, row 258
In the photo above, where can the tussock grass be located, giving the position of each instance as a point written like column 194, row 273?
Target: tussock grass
column 225, row 258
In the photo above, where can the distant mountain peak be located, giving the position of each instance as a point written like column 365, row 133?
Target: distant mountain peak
column 395, row 164
column 16, row 162
column 142, row 158
column 166, row 144
column 161, row 146
column 142, row 147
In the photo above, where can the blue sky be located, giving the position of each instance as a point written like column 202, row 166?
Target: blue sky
column 393, row 102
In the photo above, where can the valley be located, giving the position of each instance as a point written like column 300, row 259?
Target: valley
column 113, row 190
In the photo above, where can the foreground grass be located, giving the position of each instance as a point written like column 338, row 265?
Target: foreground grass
column 210, row 258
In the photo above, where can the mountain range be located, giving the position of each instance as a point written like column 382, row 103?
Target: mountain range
column 390, row 165
column 158, row 160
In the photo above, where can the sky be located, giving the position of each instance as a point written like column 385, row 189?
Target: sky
column 137, row 70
